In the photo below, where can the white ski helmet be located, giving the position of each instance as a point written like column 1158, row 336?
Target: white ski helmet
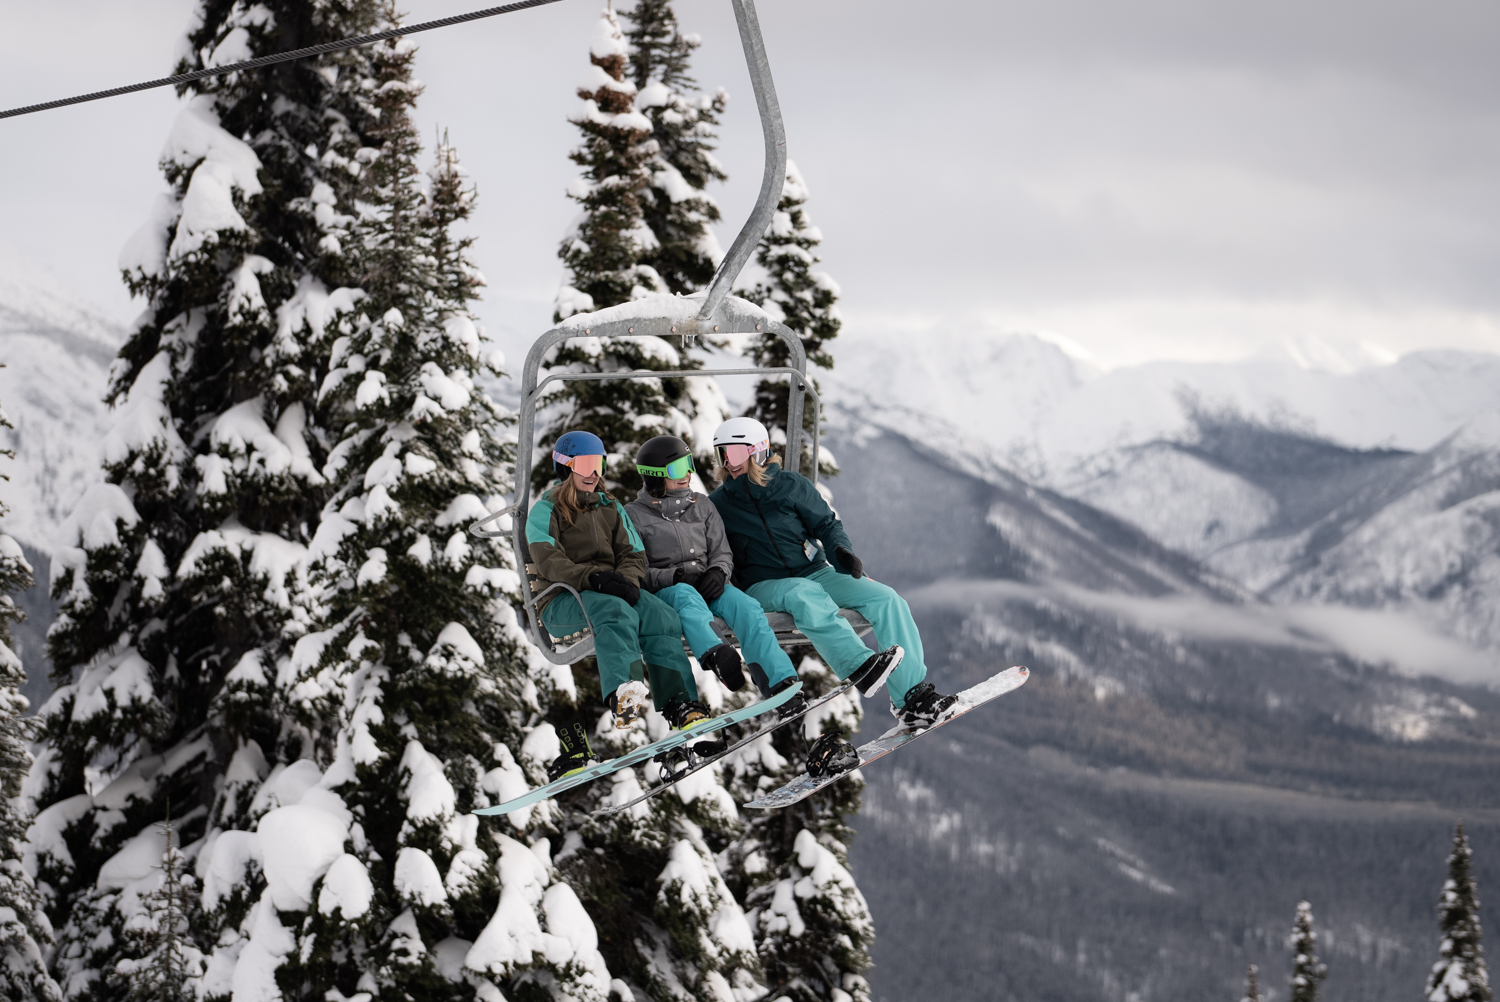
column 742, row 431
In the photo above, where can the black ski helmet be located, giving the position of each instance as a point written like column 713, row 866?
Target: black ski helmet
column 654, row 458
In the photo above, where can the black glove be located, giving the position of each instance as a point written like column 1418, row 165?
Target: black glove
column 711, row 584
column 679, row 575
column 616, row 584
column 849, row 563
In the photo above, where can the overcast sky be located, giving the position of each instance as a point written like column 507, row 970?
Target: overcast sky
column 1159, row 179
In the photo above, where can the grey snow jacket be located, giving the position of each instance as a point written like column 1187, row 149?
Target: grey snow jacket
column 682, row 529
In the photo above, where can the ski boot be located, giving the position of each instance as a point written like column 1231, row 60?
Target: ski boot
column 871, row 675
column 831, row 755
column 629, row 703
column 924, row 707
column 576, row 753
column 792, row 707
column 725, row 662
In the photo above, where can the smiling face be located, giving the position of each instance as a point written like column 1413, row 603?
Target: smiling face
column 679, row 484
column 586, row 483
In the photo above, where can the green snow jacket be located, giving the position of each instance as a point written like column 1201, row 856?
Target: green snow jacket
column 770, row 527
column 601, row 538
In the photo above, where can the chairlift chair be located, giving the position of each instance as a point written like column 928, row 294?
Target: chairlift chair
column 685, row 317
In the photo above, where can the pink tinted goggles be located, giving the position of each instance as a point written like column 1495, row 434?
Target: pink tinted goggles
column 734, row 455
column 584, row 466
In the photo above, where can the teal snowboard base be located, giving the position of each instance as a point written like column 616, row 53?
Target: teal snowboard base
column 643, row 754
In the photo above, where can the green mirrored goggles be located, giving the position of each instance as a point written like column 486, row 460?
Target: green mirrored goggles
column 675, row 470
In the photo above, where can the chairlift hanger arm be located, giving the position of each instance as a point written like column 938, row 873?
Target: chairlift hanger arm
column 774, row 133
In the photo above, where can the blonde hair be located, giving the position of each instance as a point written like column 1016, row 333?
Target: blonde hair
column 757, row 472
column 565, row 500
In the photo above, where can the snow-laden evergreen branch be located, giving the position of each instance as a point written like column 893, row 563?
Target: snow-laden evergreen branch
column 1460, row 974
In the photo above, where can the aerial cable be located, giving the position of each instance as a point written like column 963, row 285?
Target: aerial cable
column 280, row 57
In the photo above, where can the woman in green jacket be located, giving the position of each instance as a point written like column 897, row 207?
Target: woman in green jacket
column 580, row 536
column 779, row 528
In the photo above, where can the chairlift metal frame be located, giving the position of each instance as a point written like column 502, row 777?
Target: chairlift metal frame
column 717, row 312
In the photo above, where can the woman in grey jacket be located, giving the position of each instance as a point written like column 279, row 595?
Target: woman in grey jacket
column 688, row 567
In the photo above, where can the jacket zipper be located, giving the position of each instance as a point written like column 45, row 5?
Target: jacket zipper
column 771, row 538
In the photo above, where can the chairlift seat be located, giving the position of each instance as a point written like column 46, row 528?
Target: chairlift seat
column 573, row 647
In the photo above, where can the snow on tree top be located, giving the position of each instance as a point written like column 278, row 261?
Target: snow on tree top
column 607, row 40
column 794, row 187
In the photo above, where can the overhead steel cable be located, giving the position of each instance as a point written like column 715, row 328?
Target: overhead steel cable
column 280, row 57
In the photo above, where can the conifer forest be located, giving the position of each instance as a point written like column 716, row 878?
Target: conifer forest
column 258, row 674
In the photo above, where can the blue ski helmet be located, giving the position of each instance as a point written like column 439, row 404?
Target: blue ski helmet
column 575, row 443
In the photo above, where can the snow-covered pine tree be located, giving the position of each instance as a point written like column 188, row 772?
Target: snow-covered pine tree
column 1252, row 990
column 603, row 253
column 790, row 867
column 1460, row 975
column 163, row 960
column 409, row 691
column 25, row 931
column 800, row 296
column 176, row 574
column 675, row 205
column 1307, row 972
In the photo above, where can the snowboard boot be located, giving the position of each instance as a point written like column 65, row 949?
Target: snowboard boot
column 576, row 753
column 629, row 703
column 831, row 755
column 725, row 662
column 792, row 707
column 871, row 675
column 761, row 680
column 924, row 707
column 684, row 714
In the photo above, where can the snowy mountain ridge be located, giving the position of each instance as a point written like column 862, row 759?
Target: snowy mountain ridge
column 1052, row 417
column 1375, row 487
column 56, row 355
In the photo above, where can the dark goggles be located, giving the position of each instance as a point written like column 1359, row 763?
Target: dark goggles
column 675, row 470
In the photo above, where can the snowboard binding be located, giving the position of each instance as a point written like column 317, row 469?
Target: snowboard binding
column 831, row 755
column 677, row 762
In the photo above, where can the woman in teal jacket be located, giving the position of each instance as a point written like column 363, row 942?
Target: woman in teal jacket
column 775, row 519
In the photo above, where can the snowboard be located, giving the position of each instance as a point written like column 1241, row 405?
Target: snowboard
column 695, row 763
column 642, row 754
column 805, row 786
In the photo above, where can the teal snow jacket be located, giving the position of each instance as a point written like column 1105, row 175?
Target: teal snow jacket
column 770, row 528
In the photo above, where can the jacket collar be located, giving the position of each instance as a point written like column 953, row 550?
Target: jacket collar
column 745, row 486
column 675, row 502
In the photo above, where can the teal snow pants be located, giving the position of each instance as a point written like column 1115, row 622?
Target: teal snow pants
column 641, row 642
column 744, row 616
column 814, row 602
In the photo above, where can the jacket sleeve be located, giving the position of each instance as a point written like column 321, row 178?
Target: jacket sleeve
column 552, row 564
column 657, row 578
column 719, row 553
column 630, row 551
column 819, row 520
